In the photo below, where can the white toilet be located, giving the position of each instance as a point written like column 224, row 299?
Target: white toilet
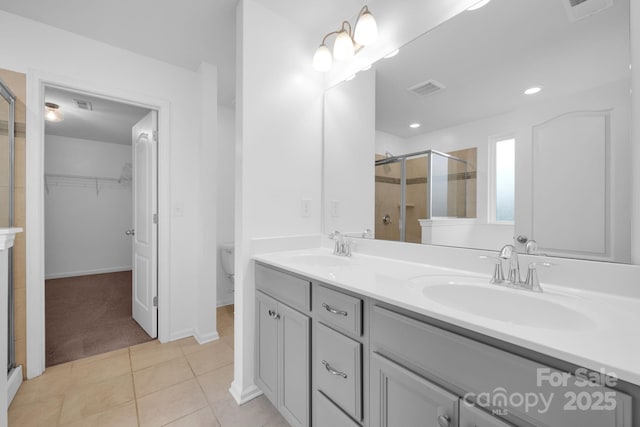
column 227, row 256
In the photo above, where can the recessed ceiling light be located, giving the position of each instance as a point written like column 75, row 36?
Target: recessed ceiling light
column 480, row 4
column 414, row 125
column 392, row 54
column 533, row 90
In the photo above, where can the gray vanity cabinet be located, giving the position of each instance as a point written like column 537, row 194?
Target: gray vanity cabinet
column 470, row 416
column 401, row 398
column 283, row 356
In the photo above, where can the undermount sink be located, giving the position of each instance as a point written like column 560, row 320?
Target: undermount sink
column 476, row 296
column 315, row 260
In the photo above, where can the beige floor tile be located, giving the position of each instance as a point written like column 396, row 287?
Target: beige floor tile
column 54, row 382
column 39, row 413
column 258, row 412
column 161, row 376
column 229, row 340
column 98, row 369
column 170, row 404
column 89, row 399
column 225, row 331
column 92, row 359
column 194, row 346
column 202, row 418
column 144, row 346
column 154, row 354
column 121, row 416
column 216, row 383
column 216, row 355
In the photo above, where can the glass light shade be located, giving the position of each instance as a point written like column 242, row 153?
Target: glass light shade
column 322, row 59
column 52, row 113
column 343, row 49
column 366, row 32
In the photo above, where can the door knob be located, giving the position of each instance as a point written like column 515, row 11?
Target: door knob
column 130, row 232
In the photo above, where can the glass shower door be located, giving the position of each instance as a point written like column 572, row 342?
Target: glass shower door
column 7, row 135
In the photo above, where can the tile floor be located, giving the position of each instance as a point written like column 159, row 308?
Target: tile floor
column 180, row 383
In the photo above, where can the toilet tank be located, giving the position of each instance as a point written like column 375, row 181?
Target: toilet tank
column 227, row 257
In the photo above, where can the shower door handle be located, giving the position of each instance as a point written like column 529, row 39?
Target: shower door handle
column 131, row 232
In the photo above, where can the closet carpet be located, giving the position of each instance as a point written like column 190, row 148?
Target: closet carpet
column 88, row 315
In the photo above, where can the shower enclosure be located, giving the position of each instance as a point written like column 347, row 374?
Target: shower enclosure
column 422, row 185
column 7, row 160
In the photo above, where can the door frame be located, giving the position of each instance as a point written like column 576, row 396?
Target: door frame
column 37, row 81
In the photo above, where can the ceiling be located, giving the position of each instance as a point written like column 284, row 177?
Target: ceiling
column 109, row 121
column 488, row 57
column 180, row 33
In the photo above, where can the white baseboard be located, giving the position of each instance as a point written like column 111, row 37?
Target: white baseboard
column 205, row 338
column 13, row 383
column 87, row 272
column 243, row 396
column 178, row 335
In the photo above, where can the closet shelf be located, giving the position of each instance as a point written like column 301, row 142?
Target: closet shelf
column 83, row 181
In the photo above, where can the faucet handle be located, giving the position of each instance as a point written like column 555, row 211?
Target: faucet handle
column 498, row 274
column 532, row 282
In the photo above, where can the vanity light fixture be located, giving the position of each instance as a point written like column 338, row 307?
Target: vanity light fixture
column 478, row 5
column 349, row 40
column 415, row 125
column 52, row 112
column 533, row 90
column 392, row 54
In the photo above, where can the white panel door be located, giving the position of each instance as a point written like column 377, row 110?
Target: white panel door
column 145, row 237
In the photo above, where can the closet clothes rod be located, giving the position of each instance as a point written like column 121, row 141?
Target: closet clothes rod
column 83, row 181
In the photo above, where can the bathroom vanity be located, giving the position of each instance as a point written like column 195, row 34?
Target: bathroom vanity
column 368, row 341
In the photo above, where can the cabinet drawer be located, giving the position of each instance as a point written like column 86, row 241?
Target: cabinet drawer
column 289, row 289
column 339, row 369
column 337, row 309
column 476, row 368
column 329, row 415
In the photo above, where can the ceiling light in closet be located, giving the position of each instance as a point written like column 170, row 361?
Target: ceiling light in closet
column 415, row 125
column 533, row 90
column 52, row 112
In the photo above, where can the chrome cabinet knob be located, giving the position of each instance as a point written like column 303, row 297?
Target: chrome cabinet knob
column 386, row 220
column 130, row 232
column 444, row 421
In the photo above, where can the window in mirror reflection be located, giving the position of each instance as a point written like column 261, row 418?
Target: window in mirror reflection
column 505, row 180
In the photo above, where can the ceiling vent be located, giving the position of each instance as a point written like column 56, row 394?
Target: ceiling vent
column 580, row 9
column 83, row 105
column 428, row 88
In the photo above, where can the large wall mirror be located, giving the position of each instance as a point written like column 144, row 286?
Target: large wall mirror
column 507, row 122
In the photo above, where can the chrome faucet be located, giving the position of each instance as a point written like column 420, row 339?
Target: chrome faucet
column 342, row 245
column 510, row 253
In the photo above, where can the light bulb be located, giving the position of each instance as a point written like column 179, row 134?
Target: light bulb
column 343, row 47
column 366, row 32
column 52, row 113
column 322, row 60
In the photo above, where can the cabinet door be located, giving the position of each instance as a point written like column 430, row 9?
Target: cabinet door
column 470, row 416
column 329, row 415
column 402, row 398
column 267, row 346
column 294, row 364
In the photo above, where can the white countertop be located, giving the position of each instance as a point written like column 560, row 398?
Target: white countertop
column 611, row 343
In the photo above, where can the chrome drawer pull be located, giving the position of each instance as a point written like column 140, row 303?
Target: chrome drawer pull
column 273, row 314
column 333, row 371
column 444, row 421
column 333, row 310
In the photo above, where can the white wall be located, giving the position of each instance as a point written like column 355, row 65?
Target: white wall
column 225, row 165
column 84, row 231
column 104, row 69
column 278, row 157
column 349, row 144
column 386, row 142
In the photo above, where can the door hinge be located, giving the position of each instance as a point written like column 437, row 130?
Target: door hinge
column 155, row 135
column 155, row 301
column 155, row 218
